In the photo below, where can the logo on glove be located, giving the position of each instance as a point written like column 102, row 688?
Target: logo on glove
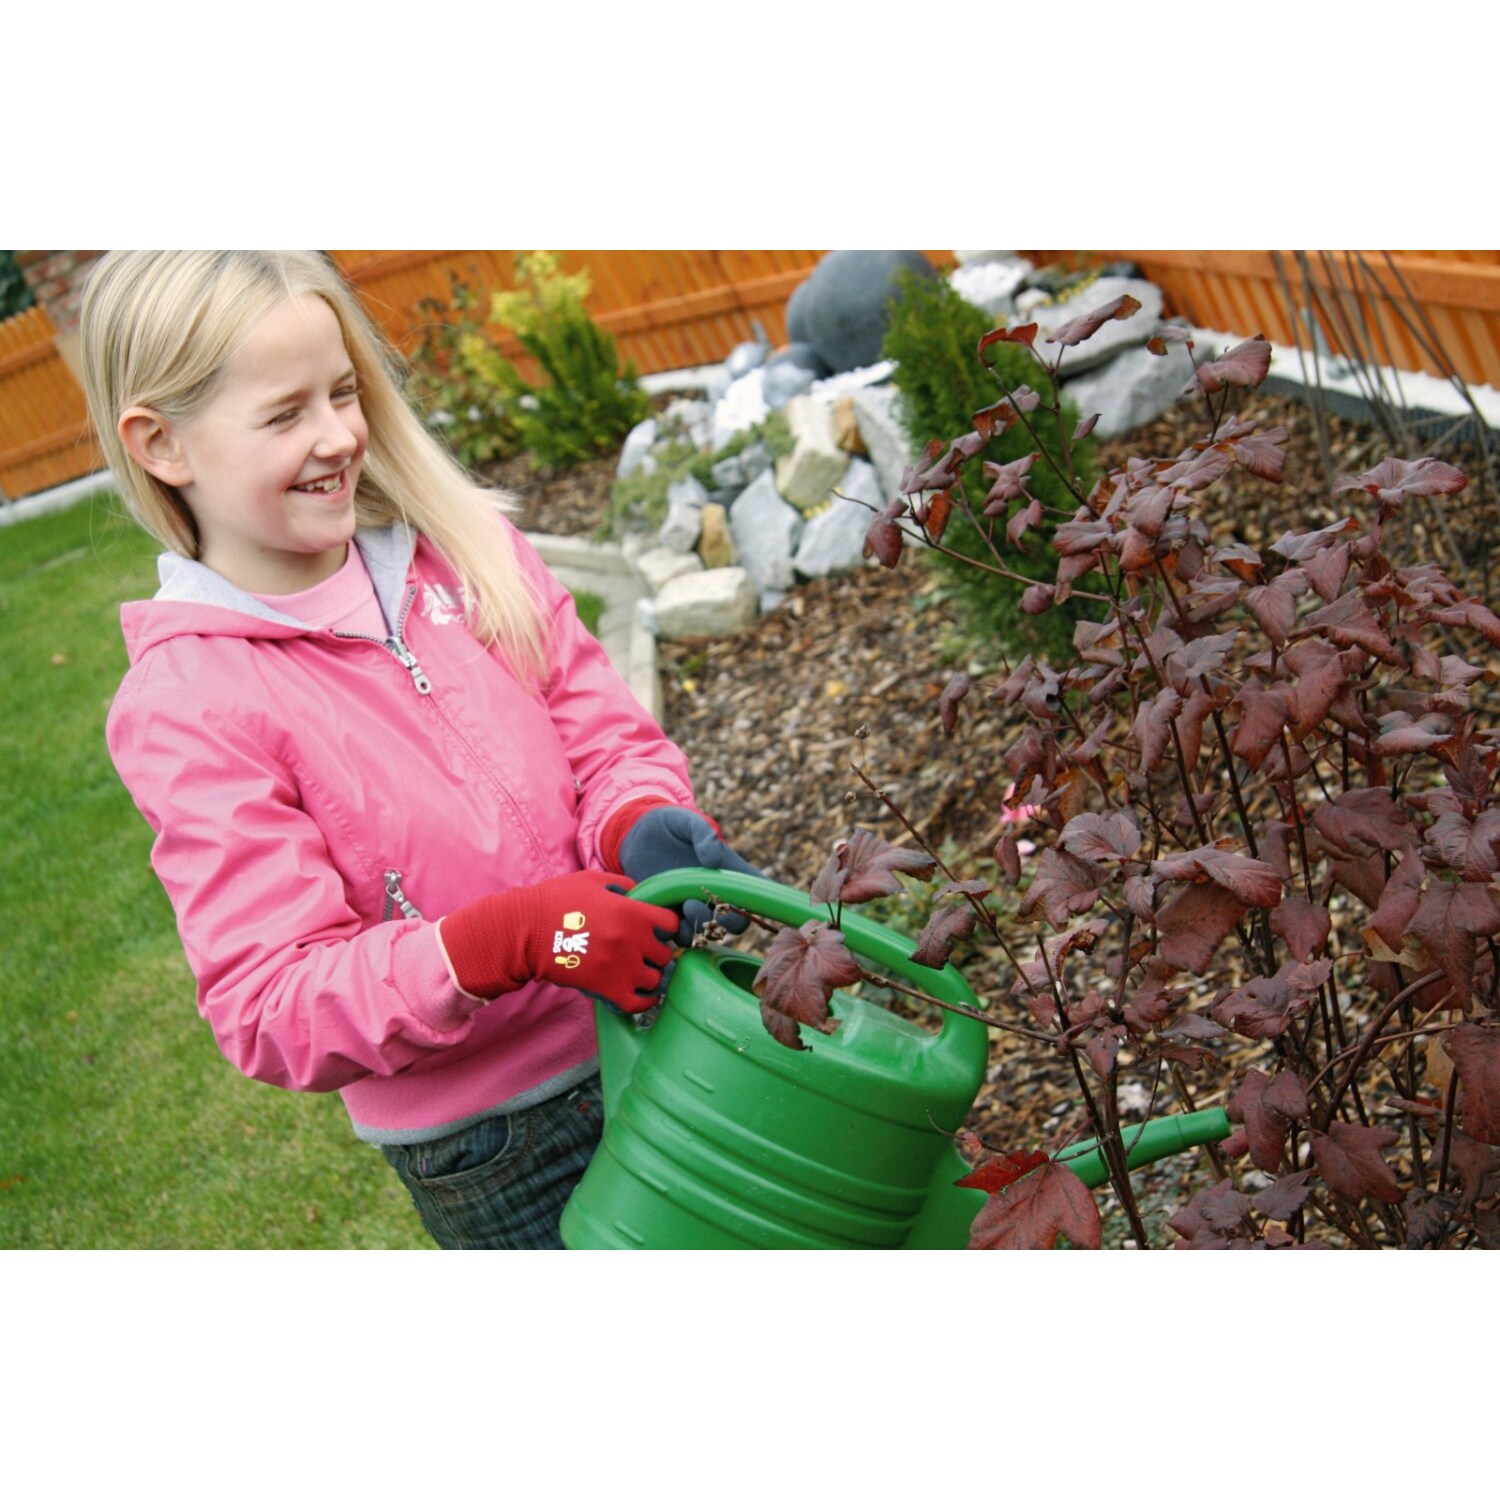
column 571, row 942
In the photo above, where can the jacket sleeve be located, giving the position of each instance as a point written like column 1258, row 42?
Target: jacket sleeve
column 296, row 993
column 617, row 751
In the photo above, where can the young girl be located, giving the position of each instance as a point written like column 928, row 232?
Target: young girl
column 398, row 791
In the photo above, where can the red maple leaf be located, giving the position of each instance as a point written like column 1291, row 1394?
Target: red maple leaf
column 1363, row 820
column 1064, row 886
column 1303, row 925
column 996, row 1175
column 1284, row 1196
column 1266, row 1005
column 952, row 696
column 1475, row 1051
column 885, row 539
column 1266, row 1107
column 1246, row 365
column 1349, row 1161
column 1263, row 713
column 1274, row 605
column 802, row 970
column 1326, row 571
column 1193, row 924
column 1079, row 329
column 1010, row 481
column 947, row 926
column 1031, row 1214
column 1101, row 838
column 866, row 867
column 1349, row 621
column 1393, row 480
column 1449, row 921
column 1262, row 454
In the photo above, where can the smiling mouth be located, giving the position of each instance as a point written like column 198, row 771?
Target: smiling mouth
column 323, row 486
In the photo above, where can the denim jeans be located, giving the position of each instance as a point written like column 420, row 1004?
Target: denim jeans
column 502, row 1183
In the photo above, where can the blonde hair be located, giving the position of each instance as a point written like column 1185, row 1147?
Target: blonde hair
column 157, row 329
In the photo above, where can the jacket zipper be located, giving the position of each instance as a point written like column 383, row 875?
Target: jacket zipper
column 397, row 646
column 395, row 896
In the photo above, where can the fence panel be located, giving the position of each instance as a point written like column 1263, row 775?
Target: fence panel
column 667, row 309
column 1403, row 307
column 44, row 431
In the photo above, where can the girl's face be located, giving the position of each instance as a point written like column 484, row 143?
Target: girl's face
column 269, row 465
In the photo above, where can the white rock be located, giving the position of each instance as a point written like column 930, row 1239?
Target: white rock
column 834, row 538
column 740, row 407
column 991, row 284
column 684, row 523
column 661, row 565
column 637, row 444
column 885, row 437
column 852, row 380
column 1134, row 388
column 805, row 475
column 715, row 602
column 766, row 531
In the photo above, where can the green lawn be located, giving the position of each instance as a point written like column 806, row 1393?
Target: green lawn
column 121, row 1125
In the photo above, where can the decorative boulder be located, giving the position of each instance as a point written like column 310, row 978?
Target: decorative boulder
column 834, row 538
column 742, row 406
column 661, row 565
column 765, row 531
column 991, row 285
column 637, row 446
column 1134, row 388
column 685, row 502
column 884, row 435
column 715, row 602
column 715, row 544
column 804, row 475
column 841, row 308
column 790, row 373
column 748, row 356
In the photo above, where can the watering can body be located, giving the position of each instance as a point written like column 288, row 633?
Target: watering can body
column 718, row 1137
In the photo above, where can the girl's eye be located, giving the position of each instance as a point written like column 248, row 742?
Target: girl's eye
column 282, row 418
column 346, row 393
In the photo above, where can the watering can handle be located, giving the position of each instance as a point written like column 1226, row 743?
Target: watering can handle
column 765, row 898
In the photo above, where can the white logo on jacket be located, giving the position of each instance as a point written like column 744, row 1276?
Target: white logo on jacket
column 439, row 605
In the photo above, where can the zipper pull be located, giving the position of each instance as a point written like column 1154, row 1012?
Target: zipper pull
column 395, row 896
column 412, row 665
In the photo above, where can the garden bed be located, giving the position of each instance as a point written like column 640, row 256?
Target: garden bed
column 771, row 718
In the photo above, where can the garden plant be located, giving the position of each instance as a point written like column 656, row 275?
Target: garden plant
column 1261, row 788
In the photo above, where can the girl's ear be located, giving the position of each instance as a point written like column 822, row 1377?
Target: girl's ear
column 150, row 440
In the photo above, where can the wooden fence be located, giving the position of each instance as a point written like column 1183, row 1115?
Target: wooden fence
column 673, row 308
column 44, row 431
column 667, row 309
column 1407, row 308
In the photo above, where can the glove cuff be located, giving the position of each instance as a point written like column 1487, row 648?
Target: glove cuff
column 485, row 943
column 625, row 817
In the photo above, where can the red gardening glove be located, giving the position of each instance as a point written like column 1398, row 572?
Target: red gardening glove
column 579, row 930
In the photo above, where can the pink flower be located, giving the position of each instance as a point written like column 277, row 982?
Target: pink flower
column 1022, row 814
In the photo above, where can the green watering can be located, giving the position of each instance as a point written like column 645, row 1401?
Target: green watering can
column 717, row 1137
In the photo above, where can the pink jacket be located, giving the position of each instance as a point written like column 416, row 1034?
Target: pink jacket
column 286, row 770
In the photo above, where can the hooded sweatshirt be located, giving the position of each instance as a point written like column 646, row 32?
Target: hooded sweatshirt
column 320, row 800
